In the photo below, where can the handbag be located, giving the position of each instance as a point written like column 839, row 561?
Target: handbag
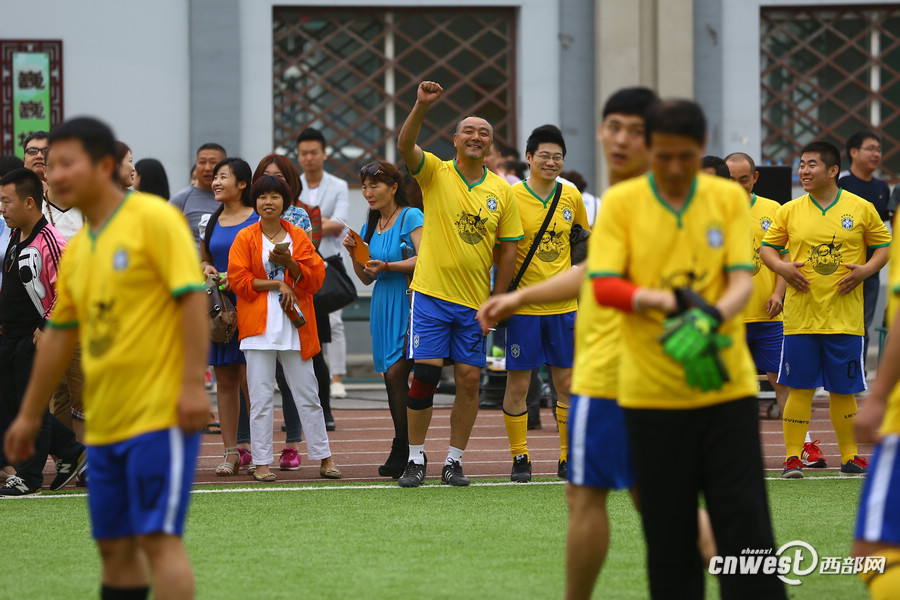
column 222, row 314
column 337, row 290
column 578, row 242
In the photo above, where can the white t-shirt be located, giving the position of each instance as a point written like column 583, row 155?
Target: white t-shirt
column 280, row 334
column 66, row 221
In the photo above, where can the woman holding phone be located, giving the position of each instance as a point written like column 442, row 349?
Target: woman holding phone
column 275, row 270
column 393, row 231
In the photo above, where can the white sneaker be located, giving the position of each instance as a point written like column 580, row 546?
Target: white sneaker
column 338, row 390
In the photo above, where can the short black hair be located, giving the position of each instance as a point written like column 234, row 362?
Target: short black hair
column 242, row 173
column 310, row 134
column 630, row 101
column 855, row 141
column 676, row 117
column 212, row 146
column 831, row 156
column 742, row 156
column 35, row 135
column 10, row 163
column 96, row 137
column 27, row 184
column 267, row 184
column 545, row 134
column 714, row 162
column 477, row 116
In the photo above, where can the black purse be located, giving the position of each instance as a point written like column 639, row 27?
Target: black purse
column 578, row 242
column 337, row 290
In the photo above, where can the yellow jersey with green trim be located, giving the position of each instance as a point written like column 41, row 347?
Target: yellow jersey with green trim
column 762, row 214
column 826, row 238
column 554, row 253
column 462, row 224
column 121, row 287
column 654, row 246
column 891, row 422
column 598, row 340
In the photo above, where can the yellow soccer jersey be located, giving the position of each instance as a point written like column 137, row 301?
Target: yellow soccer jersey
column 554, row 254
column 762, row 213
column 120, row 286
column 598, row 339
column 891, row 423
column 462, row 224
column 826, row 238
column 654, row 246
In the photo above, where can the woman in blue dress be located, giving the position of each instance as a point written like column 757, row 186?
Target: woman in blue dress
column 393, row 232
column 231, row 186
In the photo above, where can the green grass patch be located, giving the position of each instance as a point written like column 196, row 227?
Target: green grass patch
column 434, row 542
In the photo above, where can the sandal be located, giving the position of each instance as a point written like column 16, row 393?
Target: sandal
column 330, row 473
column 270, row 476
column 228, row 468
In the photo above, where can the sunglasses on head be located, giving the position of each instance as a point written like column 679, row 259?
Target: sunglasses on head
column 373, row 170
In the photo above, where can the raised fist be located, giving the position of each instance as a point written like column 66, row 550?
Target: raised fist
column 429, row 92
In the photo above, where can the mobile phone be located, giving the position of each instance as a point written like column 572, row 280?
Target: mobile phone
column 282, row 246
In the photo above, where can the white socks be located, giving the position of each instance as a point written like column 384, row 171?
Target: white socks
column 417, row 454
column 455, row 454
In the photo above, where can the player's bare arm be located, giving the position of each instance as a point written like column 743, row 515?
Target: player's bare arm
column 506, row 264
column 193, row 404
column 50, row 362
column 871, row 413
column 859, row 273
column 426, row 95
column 790, row 271
column 737, row 292
column 775, row 303
column 564, row 286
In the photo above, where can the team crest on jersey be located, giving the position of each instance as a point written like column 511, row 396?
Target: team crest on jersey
column 714, row 236
column 847, row 222
column 492, row 203
column 120, row 259
column 102, row 327
column 765, row 223
column 567, row 215
column 826, row 258
column 471, row 228
column 551, row 246
column 415, row 341
column 514, row 351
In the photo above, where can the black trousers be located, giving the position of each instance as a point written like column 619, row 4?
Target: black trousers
column 679, row 454
column 16, row 359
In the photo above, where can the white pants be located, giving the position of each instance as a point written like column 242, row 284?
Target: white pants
column 302, row 383
column 337, row 349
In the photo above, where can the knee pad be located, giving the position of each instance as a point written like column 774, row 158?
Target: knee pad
column 421, row 392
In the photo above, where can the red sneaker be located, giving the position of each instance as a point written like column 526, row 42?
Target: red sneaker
column 290, row 460
column 812, row 456
column 793, row 468
column 857, row 465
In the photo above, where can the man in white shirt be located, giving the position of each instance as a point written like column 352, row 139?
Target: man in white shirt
column 330, row 194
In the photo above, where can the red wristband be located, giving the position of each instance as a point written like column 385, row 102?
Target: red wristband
column 615, row 292
column 387, row 267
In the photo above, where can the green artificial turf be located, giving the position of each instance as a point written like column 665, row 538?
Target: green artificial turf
column 434, row 542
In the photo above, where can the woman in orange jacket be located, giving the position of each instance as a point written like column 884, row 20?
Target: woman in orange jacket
column 274, row 270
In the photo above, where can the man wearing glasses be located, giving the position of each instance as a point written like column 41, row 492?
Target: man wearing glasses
column 36, row 149
column 468, row 211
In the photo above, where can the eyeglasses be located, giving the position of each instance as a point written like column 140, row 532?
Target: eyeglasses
column 373, row 170
column 32, row 151
column 545, row 156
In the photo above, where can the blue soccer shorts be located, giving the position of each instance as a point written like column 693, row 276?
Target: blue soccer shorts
column 599, row 454
column 834, row 361
column 764, row 340
column 535, row 340
column 879, row 519
column 142, row 485
column 442, row 329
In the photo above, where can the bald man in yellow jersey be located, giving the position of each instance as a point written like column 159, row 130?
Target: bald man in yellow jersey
column 878, row 421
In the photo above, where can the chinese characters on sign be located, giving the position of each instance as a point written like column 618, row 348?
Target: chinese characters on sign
column 31, row 95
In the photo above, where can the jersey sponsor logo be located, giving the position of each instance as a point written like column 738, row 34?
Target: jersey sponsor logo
column 551, row 246
column 765, row 223
column 515, row 351
column 567, row 215
column 826, row 258
column 714, row 236
column 847, row 222
column 102, row 326
column 492, row 203
column 120, row 260
column 471, row 228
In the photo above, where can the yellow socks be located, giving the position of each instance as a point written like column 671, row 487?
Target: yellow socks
column 795, row 421
column 842, row 410
column 562, row 421
column 886, row 585
column 517, row 432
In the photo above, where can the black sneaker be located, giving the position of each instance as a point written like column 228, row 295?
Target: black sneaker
column 413, row 476
column 15, row 487
column 857, row 465
column 81, row 478
column 562, row 469
column 66, row 470
column 521, row 470
column 452, row 474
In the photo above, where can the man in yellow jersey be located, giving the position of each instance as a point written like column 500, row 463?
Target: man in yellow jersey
column 468, row 211
column 130, row 289
column 541, row 333
column 878, row 421
column 827, row 232
column 763, row 315
column 676, row 230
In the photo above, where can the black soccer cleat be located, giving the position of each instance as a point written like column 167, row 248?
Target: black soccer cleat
column 452, row 474
column 562, row 469
column 521, row 469
column 66, row 470
column 413, row 476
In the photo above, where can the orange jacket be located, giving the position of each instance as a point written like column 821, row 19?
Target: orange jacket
column 245, row 263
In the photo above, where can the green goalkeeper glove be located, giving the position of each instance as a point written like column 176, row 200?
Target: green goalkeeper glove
column 707, row 371
column 688, row 335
